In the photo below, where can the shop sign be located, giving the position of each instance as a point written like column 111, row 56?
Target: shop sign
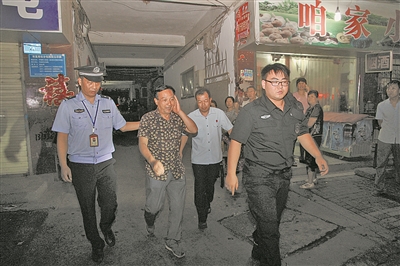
column 246, row 74
column 35, row 15
column 32, row 48
column 312, row 23
column 242, row 22
column 379, row 62
column 43, row 65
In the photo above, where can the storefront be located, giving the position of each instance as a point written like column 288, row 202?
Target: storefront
column 39, row 50
column 348, row 61
column 330, row 54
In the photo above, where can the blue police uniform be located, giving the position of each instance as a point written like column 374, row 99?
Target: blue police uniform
column 92, row 168
column 73, row 119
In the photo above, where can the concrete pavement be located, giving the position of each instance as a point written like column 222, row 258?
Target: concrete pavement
column 337, row 223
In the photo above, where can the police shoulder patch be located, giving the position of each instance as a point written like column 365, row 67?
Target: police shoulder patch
column 106, row 97
column 69, row 98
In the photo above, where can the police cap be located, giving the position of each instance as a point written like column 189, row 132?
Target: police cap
column 92, row 73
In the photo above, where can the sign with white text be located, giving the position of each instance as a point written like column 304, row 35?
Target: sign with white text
column 36, row 15
column 46, row 65
column 379, row 62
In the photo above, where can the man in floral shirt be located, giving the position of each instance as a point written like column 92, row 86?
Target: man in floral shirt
column 160, row 136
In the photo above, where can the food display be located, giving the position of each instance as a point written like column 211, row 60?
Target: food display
column 277, row 29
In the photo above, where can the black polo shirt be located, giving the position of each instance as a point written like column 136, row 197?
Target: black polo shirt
column 269, row 134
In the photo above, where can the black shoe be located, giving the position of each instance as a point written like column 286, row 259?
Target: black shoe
column 202, row 226
column 303, row 161
column 97, row 255
column 109, row 237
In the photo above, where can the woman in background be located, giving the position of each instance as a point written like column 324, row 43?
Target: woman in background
column 231, row 111
column 315, row 116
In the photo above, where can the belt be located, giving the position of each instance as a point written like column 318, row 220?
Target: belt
column 282, row 171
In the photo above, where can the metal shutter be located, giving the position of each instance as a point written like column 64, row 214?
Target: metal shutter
column 13, row 137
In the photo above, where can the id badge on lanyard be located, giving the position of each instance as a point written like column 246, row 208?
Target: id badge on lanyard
column 93, row 138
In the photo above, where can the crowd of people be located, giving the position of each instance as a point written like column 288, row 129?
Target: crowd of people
column 262, row 131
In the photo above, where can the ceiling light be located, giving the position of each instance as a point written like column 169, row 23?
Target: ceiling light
column 338, row 16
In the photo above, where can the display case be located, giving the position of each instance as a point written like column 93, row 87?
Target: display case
column 348, row 135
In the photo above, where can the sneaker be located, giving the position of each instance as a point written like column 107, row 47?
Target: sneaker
column 315, row 181
column 202, row 226
column 175, row 248
column 150, row 230
column 307, row 186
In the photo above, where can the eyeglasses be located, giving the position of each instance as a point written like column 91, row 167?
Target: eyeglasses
column 276, row 83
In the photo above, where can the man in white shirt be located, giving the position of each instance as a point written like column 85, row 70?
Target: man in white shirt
column 388, row 116
column 206, row 152
column 251, row 95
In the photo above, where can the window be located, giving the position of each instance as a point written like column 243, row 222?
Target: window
column 187, row 85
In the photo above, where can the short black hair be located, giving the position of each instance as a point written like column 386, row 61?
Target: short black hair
column 162, row 88
column 395, row 81
column 315, row 92
column 229, row 97
column 301, row 80
column 277, row 68
column 201, row 91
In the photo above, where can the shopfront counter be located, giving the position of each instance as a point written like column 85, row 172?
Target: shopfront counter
column 348, row 135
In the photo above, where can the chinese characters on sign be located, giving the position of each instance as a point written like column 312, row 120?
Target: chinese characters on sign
column 43, row 65
column 356, row 22
column 55, row 90
column 379, row 62
column 36, row 15
column 242, row 22
column 24, row 6
column 360, row 28
column 394, row 23
column 313, row 17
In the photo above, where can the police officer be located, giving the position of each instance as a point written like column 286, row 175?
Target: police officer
column 84, row 126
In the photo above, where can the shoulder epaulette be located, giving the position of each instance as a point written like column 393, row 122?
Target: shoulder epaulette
column 69, row 98
column 106, row 97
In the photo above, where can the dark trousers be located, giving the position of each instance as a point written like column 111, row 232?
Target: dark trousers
column 205, row 177
column 267, row 197
column 383, row 153
column 87, row 179
column 302, row 152
column 310, row 160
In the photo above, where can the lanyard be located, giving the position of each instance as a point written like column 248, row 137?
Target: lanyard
column 95, row 117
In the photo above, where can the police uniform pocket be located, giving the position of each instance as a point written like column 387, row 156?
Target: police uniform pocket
column 80, row 120
column 105, row 120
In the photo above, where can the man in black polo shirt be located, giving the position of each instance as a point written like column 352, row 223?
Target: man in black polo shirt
column 269, row 127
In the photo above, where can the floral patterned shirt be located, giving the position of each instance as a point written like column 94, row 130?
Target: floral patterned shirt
column 164, row 138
